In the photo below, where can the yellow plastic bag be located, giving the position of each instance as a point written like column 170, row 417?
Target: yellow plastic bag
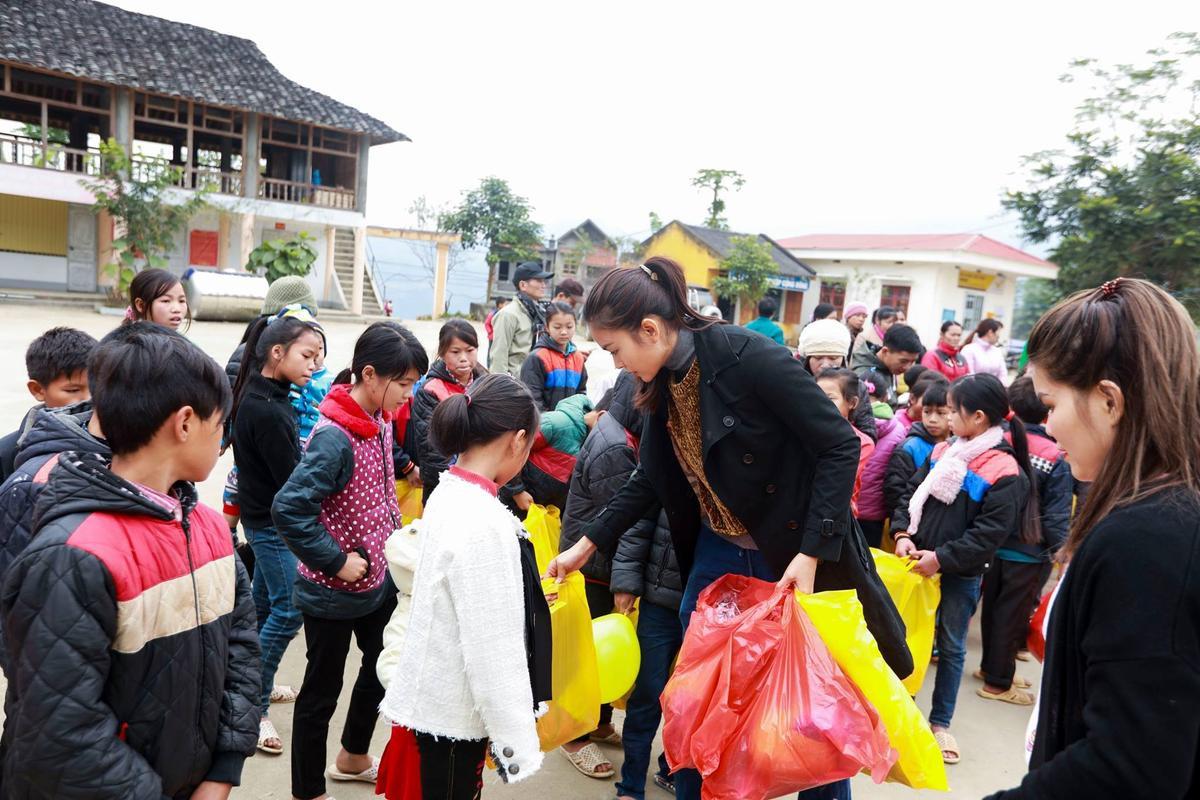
column 575, row 682
column 838, row 618
column 916, row 599
column 543, row 524
column 410, row 501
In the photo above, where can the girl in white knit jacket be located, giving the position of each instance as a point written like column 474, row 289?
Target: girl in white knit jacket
column 474, row 656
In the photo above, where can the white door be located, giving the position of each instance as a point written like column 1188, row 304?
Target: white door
column 81, row 249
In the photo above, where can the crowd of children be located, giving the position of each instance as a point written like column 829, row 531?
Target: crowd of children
column 112, row 572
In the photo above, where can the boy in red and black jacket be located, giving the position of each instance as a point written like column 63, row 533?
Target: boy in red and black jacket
column 129, row 621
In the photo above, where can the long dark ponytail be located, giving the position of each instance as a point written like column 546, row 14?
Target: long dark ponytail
column 494, row 405
column 622, row 298
column 265, row 333
column 390, row 348
column 983, row 392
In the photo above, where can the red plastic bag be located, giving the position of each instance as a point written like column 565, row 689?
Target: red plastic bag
column 1036, row 642
column 758, row 705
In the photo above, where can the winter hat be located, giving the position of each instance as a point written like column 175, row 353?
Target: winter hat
column 854, row 308
column 825, row 337
column 286, row 291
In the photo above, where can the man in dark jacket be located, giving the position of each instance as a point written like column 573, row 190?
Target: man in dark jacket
column 128, row 618
column 900, row 350
column 645, row 567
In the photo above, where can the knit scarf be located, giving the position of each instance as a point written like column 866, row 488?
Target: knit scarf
column 536, row 312
column 945, row 480
column 948, row 350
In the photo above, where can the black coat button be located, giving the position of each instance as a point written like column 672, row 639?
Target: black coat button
column 508, row 752
column 793, row 525
column 748, row 458
column 513, row 769
column 728, row 421
column 770, row 488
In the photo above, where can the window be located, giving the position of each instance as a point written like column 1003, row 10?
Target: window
column 972, row 311
column 502, row 272
column 896, row 297
column 834, row 294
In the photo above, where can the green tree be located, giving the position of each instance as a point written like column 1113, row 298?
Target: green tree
column 656, row 223
column 717, row 181
column 276, row 258
column 1034, row 296
column 576, row 256
column 746, row 272
column 53, row 135
column 1123, row 196
column 137, row 201
column 492, row 216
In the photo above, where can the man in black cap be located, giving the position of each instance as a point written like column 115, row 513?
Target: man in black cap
column 518, row 324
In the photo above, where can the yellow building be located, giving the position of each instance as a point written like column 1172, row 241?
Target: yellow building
column 700, row 251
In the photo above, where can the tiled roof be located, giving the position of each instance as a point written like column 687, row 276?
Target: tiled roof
column 947, row 242
column 109, row 44
column 721, row 243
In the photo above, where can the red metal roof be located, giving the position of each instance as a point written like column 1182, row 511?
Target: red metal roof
column 951, row 242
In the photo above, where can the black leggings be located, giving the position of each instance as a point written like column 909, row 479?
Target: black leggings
column 451, row 768
column 328, row 643
column 1010, row 595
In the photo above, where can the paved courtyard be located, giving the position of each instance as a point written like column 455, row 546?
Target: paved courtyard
column 990, row 733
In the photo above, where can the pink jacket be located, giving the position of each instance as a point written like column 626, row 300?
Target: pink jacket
column 870, row 494
column 988, row 358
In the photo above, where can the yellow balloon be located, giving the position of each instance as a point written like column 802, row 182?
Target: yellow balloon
column 618, row 656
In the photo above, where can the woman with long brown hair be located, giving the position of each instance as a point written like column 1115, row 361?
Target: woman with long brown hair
column 751, row 462
column 1119, row 712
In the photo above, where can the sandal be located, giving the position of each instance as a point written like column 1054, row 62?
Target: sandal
column 368, row 775
column 1018, row 681
column 591, row 762
column 613, row 738
column 949, row 746
column 1024, row 655
column 284, row 694
column 268, row 734
column 1018, row 697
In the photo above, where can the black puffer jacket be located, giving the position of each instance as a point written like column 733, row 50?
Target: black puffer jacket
column 52, row 433
column 135, row 660
column 645, row 564
column 986, row 511
column 605, row 462
column 425, row 401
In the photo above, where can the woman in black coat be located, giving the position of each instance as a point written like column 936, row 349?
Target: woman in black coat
column 1119, row 712
column 751, row 462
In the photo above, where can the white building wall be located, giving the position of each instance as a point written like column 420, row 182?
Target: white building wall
column 933, row 289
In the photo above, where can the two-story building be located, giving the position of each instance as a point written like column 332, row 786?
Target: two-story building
column 278, row 158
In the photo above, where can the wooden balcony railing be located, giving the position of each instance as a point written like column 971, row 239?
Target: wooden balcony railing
column 294, row 192
column 27, row 151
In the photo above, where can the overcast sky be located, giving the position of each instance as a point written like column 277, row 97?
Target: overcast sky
column 843, row 117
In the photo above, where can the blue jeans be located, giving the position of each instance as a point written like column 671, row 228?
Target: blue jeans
column 716, row 557
column 278, row 620
column 960, row 596
column 659, row 635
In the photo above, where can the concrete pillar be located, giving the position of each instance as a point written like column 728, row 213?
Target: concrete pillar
column 245, row 239
column 360, row 183
column 250, row 156
column 224, row 224
column 360, row 269
column 439, row 279
column 330, row 240
column 123, row 118
column 104, row 250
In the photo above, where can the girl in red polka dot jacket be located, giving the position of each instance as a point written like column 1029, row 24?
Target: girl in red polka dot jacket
column 335, row 513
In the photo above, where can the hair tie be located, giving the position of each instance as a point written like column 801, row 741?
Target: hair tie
column 129, row 315
column 1109, row 289
column 1008, row 417
column 653, row 275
